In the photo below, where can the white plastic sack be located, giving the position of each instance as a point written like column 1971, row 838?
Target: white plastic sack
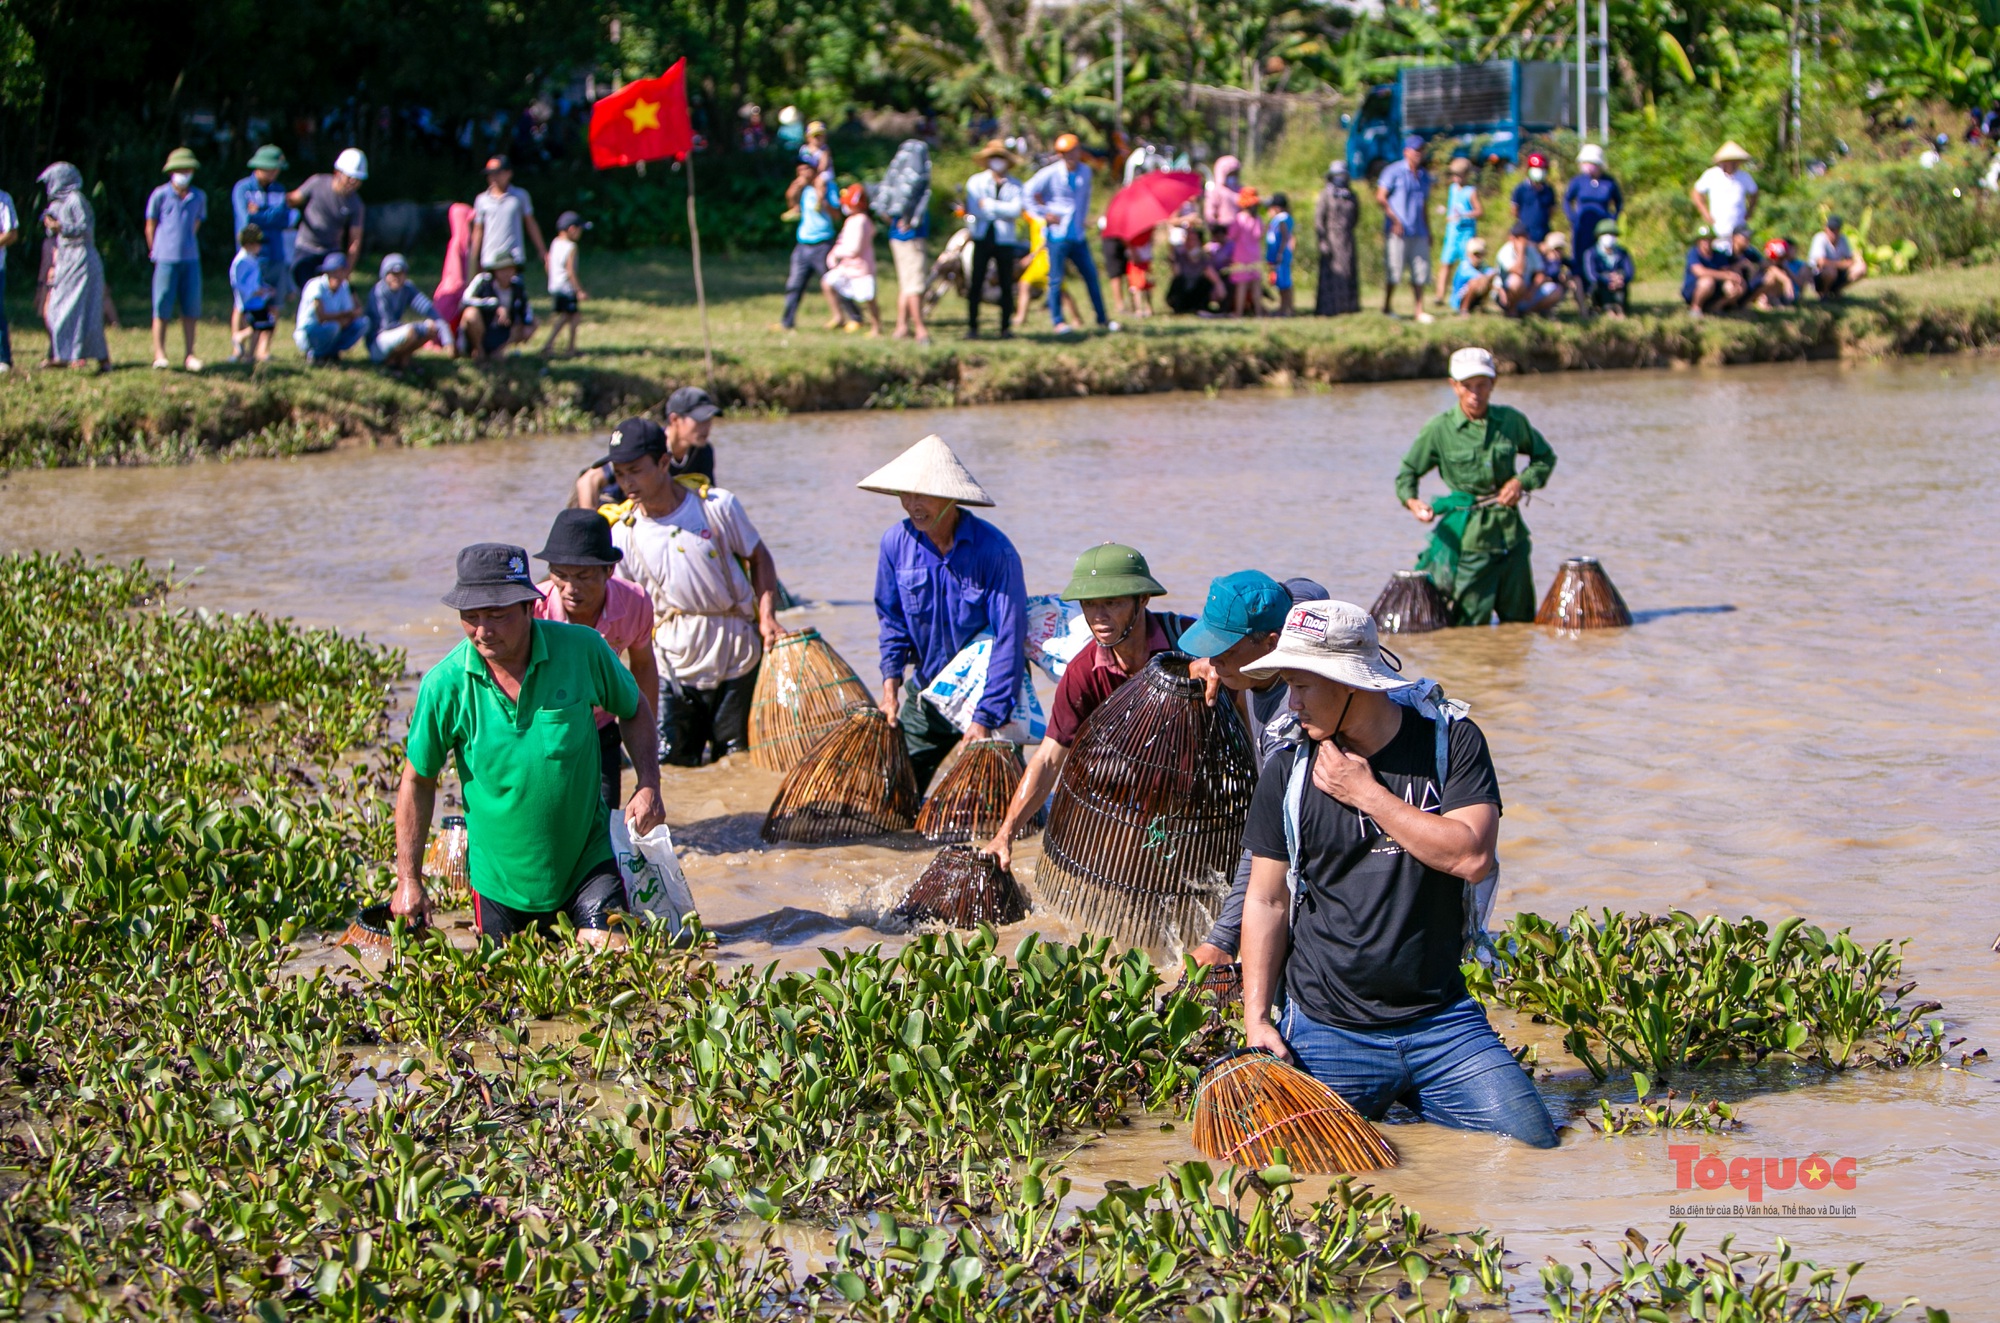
column 655, row 887
column 1062, row 649
column 1049, row 617
column 956, row 692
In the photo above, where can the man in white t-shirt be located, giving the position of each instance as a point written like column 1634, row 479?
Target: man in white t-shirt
column 1726, row 195
column 1835, row 265
column 714, row 589
column 499, row 216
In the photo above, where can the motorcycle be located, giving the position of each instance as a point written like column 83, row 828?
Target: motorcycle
column 951, row 272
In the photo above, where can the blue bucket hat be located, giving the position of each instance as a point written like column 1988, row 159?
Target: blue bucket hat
column 1239, row 605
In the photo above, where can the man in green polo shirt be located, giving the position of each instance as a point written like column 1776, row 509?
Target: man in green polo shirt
column 1479, row 550
column 513, row 703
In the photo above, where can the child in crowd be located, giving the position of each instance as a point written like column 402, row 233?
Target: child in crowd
column 565, row 288
column 1608, row 271
column 1462, row 213
column 494, row 313
column 1139, row 275
column 1778, row 289
column 1471, row 279
column 1281, row 241
column 251, row 318
column 1559, row 267
column 850, row 269
column 1243, row 253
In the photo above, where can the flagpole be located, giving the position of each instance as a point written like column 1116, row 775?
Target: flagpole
column 700, row 295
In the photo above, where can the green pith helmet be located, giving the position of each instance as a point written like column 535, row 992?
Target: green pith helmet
column 180, row 158
column 267, row 157
column 1111, row 570
column 1604, row 227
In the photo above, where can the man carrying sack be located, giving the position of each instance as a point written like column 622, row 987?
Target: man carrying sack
column 1479, row 554
column 1112, row 584
column 512, row 703
column 944, row 577
column 714, row 587
column 1365, row 845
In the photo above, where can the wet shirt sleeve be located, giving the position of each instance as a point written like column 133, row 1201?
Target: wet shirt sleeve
column 1007, row 614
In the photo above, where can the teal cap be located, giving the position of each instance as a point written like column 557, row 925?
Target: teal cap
column 1239, row 605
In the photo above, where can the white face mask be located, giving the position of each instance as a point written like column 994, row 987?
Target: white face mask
column 182, row 178
column 1538, row 174
column 997, row 164
column 1606, row 242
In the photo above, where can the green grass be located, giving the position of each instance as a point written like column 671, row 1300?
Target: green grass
column 642, row 337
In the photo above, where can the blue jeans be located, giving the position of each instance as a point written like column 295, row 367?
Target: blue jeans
column 325, row 340
column 6, row 336
column 1077, row 253
column 1450, row 1068
column 176, row 283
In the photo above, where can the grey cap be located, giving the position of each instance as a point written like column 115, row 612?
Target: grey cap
column 692, row 402
column 393, row 262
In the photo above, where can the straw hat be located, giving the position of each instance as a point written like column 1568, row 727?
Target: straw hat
column 995, row 147
column 1730, row 151
column 928, row 468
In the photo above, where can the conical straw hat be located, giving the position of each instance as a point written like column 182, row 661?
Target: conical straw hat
column 928, row 468
column 1730, row 151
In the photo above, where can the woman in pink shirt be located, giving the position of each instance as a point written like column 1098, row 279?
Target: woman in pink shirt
column 581, row 591
column 850, row 267
column 1244, row 252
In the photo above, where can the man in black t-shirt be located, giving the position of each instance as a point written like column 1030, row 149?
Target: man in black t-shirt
column 1386, row 841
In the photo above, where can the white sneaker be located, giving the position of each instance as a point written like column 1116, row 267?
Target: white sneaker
column 1425, row 319
column 1113, row 327
column 161, row 365
column 193, row 364
column 6, row 368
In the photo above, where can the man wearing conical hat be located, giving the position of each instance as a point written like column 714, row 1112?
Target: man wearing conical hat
column 944, row 577
column 1112, row 584
column 1726, row 195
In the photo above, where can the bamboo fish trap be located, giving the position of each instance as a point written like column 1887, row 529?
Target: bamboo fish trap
column 970, row 802
column 856, row 781
column 370, row 929
column 803, row 690
column 1148, row 816
column 1583, row 597
column 1250, row 1104
column 1410, row 604
column 964, row 888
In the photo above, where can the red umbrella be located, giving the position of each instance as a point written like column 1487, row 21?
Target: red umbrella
column 1148, row 200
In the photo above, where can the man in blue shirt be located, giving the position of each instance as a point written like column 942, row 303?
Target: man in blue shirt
column 1404, row 192
column 174, row 213
column 811, row 194
column 1534, row 200
column 944, row 578
column 1592, row 197
column 1059, row 196
column 1710, row 281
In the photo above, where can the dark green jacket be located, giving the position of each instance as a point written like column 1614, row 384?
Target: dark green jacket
column 1477, row 458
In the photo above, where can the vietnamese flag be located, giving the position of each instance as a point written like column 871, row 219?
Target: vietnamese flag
column 642, row 121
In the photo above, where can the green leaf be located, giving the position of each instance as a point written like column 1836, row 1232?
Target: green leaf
column 1641, row 1086
column 1677, row 57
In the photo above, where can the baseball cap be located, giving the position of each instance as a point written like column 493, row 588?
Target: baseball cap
column 491, row 574
column 569, row 218
column 495, row 164
column 1536, row 159
column 635, row 439
column 1305, row 590
column 693, row 402
column 1413, row 143
column 333, row 262
column 1472, row 362
column 1333, row 639
column 1239, row 605
column 353, row 163
column 1834, row 222
column 1065, row 142
column 393, row 262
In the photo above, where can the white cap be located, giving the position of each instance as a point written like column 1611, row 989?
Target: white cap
column 1590, row 154
column 928, row 468
column 1469, row 363
column 352, row 163
column 1332, row 639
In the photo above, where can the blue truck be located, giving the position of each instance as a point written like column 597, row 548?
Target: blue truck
column 1487, row 109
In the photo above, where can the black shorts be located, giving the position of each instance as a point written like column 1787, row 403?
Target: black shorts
column 1114, row 256
column 259, row 319
column 601, row 895
column 563, row 302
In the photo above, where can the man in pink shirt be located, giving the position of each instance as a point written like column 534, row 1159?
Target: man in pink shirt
column 581, row 591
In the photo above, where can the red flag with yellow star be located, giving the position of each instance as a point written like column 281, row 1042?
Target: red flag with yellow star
column 642, row 121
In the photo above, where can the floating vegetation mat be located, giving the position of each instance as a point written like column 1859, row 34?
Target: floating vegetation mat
column 529, row 1131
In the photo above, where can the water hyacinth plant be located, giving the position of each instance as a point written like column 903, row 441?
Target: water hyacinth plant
column 190, row 1127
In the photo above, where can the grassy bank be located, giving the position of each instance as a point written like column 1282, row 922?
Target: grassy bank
column 642, row 338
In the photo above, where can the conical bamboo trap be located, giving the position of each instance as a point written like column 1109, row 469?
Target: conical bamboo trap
column 1250, row 1104
column 963, row 888
column 856, row 781
column 1410, row 604
column 1583, row 597
column 803, row 690
column 370, row 930
column 1147, row 822
column 970, row 802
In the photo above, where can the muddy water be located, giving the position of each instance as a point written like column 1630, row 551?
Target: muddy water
column 1802, row 722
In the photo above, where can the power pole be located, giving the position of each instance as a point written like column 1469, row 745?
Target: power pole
column 1798, row 151
column 1118, row 69
column 1582, row 73
column 1603, row 71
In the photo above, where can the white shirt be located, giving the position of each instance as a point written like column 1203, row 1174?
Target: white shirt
column 1728, row 197
column 8, row 221
column 1823, row 250
column 318, row 299
column 1527, row 263
column 704, row 607
column 502, row 217
column 559, row 251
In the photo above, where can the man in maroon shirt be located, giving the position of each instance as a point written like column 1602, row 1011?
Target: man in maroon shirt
column 1112, row 584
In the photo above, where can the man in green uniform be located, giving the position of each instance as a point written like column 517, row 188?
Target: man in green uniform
column 1479, row 551
column 513, row 703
